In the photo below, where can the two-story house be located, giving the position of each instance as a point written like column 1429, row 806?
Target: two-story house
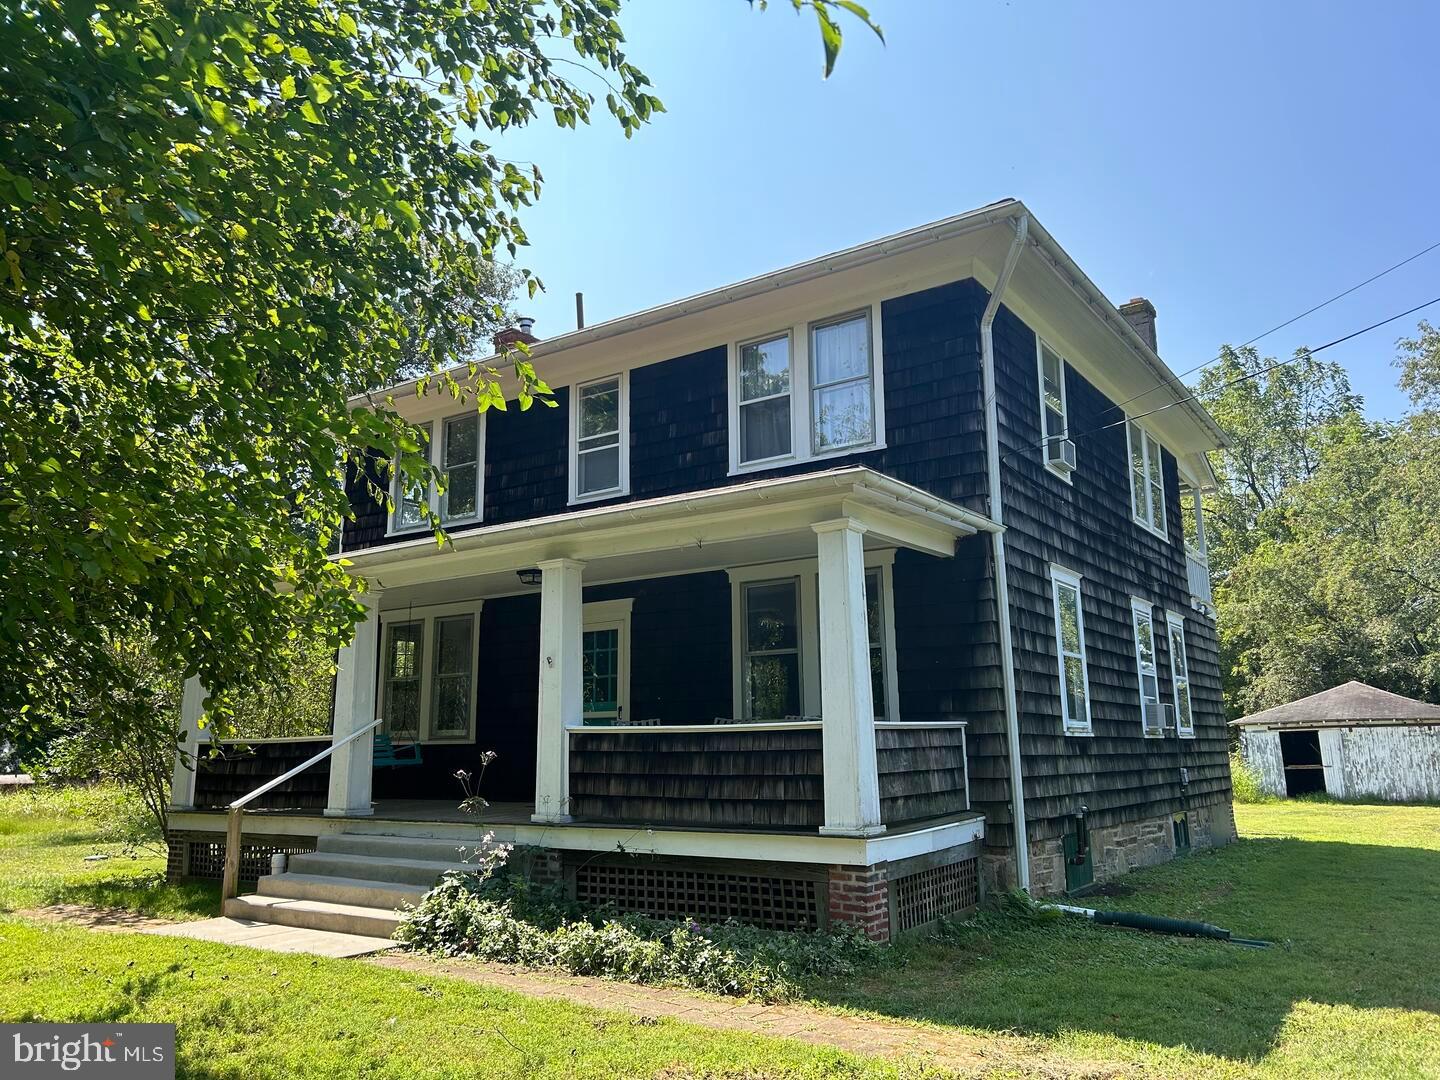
column 833, row 594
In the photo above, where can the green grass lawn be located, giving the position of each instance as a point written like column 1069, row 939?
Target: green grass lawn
column 1350, row 893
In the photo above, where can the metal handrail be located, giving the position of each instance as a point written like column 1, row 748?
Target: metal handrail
column 230, row 881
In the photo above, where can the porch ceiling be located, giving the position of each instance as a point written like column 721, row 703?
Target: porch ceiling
column 758, row 521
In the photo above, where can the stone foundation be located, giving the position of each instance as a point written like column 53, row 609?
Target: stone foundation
column 1115, row 849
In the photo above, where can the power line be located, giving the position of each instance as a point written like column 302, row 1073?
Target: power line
column 1303, row 354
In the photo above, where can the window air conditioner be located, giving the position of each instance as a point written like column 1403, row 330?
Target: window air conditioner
column 1060, row 453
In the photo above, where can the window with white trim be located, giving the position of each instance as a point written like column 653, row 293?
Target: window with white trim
column 457, row 451
column 429, row 659
column 1180, row 676
column 1147, row 478
column 843, row 400
column 1070, row 651
column 764, row 399
column 1143, row 621
column 810, row 390
column 776, row 617
column 1054, row 420
column 600, row 452
column 605, row 661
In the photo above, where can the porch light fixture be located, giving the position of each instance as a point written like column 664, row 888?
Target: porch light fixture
column 528, row 577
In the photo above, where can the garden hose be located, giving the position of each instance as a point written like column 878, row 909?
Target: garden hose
column 1158, row 924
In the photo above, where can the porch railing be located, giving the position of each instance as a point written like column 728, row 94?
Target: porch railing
column 923, row 768
column 234, row 824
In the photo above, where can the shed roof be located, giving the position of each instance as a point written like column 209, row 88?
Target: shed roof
column 1346, row 705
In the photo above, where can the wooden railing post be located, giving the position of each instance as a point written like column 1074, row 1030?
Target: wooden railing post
column 230, row 882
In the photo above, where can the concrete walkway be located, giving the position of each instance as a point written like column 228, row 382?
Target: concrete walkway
column 273, row 937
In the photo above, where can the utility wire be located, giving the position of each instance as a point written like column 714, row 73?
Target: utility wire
column 1301, row 355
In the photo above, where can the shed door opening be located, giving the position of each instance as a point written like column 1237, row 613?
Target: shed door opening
column 1304, row 770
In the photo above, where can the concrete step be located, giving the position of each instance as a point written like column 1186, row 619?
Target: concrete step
column 403, row 847
column 462, row 832
column 314, row 915
column 388, row 895
column 383, row 868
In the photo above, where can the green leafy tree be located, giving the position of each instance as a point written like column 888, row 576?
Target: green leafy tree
column 218, row 224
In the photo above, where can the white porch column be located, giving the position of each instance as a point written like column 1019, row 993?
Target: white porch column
column 192, row 739
column 562, row 621
column 352, row 767
column 852, row 786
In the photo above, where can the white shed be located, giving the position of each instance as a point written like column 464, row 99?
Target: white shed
column 1352, row 741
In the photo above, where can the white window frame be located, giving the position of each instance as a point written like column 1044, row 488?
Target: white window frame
column 1062, row 577
column 1152, row 455
column 807, row 571
column 427, row 616
column 613, row 615
column 622, row 379
column 740, row 405
column 1143, row 610
column 437, row 427
column 802, row 434
column 1041, row 345
column 1184, row 725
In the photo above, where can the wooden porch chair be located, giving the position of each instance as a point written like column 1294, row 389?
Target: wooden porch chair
column 388, row 757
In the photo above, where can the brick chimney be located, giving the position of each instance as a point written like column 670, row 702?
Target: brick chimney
column 1140, row 314
column 519, row 332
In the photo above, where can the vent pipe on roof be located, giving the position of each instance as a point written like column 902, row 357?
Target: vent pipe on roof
column 579, row 311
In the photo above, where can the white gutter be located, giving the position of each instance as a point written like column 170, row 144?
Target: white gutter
column 1002, row 584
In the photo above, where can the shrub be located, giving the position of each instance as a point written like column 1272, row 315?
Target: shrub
column 503, row 916
column 1245, row 779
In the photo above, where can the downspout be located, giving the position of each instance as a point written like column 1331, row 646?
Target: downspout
column 1002, row 585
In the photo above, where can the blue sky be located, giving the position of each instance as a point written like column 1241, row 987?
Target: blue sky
column 1236, row 163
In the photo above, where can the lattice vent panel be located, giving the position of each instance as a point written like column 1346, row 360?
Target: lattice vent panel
column 774, row 903
column 928, row 895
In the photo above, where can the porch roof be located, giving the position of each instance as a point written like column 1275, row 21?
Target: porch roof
column 757, row 520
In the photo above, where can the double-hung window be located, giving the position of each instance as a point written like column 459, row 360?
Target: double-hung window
column 1147, row 479
column 771, row 671
column 776, row 620
column 843, row 399
column 765, row 399
column 810, row 390
column 1143, row 619
column 600, row 452
column 453, row 445
column 1070, row 650
column 1053, row 414
column 1180, row 676
column 428, row 673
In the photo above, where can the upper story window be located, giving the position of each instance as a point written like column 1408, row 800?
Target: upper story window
column 453, row 445
column 1054, row 415
column 806, row 391
column 1180, row 676
column 1147, row 479
column 1143, row 620
column 1070, row 650
column 765, row 399
column 844, row 401
column 599, row 443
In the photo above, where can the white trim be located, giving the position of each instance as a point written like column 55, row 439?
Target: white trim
column 807, row 570
column 915, row 725
column 622, row 380
column 1040, row 346
column 814, row 849
column 612, row 615
column 703, row 729
column 1140, row 608
column 1059, row 576
column 1175, row 620
column 437, row 427
column 427, row 616
column 802, row 436
column 1147, row 439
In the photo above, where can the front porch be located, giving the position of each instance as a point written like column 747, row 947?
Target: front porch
column 713, row 678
